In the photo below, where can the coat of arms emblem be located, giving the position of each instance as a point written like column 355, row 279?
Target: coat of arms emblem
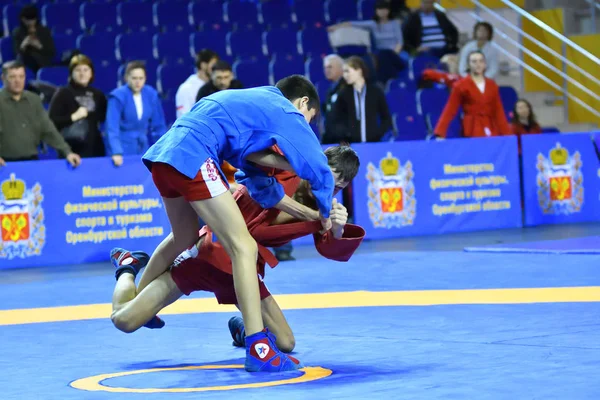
column 560, row 181
column 22, row 230
column 391, row 193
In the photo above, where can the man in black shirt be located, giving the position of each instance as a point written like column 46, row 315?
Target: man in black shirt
column 221, row 78
column 32, row 41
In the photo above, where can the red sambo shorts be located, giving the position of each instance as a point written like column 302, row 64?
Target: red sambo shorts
column 195, row 274
column 171, row 183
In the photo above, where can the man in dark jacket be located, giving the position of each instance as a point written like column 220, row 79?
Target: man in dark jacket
column 333, row 67
column 33, row 42
column 221, row 78
column 429, row 31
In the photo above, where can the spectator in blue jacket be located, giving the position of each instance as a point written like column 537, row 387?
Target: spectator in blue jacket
column 134, row 114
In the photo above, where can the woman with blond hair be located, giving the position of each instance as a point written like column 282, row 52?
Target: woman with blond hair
column 78, row 109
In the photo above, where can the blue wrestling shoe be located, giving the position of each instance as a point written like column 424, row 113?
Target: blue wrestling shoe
column 238, row 333
column 133, row 262
column 126, row 261
column 262, row 355
column 155, row 323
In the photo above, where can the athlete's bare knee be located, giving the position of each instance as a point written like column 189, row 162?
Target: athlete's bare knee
column 122, row 323
column 244, row 246
column 286, row 343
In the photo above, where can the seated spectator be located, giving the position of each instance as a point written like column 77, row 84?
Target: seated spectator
column 480, row 99
column 133, row 110
column 333, row 67
column 185, row 98
column 399, row 9
column 524, row 121
column 482, row 41
column 429, row 31
column 221, row 78
column 24, row 123
column 78, row 108
column 387, row 34
column 360, row 113
column 32, row 42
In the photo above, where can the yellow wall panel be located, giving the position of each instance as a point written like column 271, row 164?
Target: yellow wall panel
column 578, row 113
column 555, row 19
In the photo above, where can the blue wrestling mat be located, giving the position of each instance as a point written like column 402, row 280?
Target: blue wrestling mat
column 583, row 245
column 423, row 325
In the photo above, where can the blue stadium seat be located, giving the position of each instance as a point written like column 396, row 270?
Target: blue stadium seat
column 314, row 42
column 46, row 152
column 172, row 46
column 240, row 12
column 409, row 127
column 244, row 44
column 135, row 16
column 403, row 83
column 62, row 44
column 171, row 16
column 100, row 47
column 322, row 88
column 432, row 101
column 314, row 69
column 340, row 11
column 170, row 111
column 454, row 129
column 104, row 28
column 309, row 13
column 55, row 75
column 29, row 75
column 283, row 66
column 206, row 12
column 62, row 17
column 252, row 73
column 418, row 64
column 134, row 46
column 275, row 12
column 10, row 18
column 151, row 73
column 281, row 41
column 97, row 14
column 509, row 98
column 169, row 77
column 402, row 100
column 551, row 129
column 105, row 77
column 366, row 9
column 6, row 49
column 214, row 40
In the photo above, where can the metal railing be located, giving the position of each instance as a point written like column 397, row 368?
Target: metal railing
column 501, row 25
column 594, row 8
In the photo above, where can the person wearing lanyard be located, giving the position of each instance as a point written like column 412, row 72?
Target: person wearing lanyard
column 361, row 113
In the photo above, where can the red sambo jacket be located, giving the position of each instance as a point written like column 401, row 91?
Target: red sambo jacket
column 259, row 222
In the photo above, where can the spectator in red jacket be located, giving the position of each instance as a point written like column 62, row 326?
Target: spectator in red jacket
column 480, row 100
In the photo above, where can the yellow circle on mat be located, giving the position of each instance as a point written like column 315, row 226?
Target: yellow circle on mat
column 93, row 383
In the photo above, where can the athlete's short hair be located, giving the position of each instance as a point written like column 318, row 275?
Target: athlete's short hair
column 343, row 160
column 205, row 56
column 294, row 87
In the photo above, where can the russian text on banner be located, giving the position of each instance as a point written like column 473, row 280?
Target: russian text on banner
column 51, row 214
column 560, row 179
column 433, row 187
